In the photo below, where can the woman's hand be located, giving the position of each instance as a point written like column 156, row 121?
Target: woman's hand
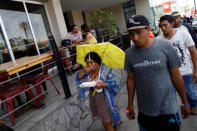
column 83, row 71
column 100, row 85
column 86, row 69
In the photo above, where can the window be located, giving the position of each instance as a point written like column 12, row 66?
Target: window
column 129, row 9
column 4, row 55
column 17, row 28
column 40, row 24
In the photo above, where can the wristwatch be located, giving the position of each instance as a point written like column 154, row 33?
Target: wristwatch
column 185, row 105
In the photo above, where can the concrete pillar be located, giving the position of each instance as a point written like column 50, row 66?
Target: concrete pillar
column 143, row 8
column 77, row 18
column 57, row 20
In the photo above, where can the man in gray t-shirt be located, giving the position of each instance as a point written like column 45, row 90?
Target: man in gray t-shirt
column 152, row 66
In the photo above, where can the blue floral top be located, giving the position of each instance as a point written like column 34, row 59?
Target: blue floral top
column 109, row 78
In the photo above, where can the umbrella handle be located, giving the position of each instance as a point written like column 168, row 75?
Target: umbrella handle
column 94, row 92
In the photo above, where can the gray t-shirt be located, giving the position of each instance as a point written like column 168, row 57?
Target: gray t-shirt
column 155, row 90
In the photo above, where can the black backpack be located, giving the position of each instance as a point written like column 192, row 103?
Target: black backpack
column 65, row 42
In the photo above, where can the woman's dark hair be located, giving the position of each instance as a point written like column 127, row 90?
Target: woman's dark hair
column 72, row 27
column 85, row 28
column 94, row 56
column 169, row 18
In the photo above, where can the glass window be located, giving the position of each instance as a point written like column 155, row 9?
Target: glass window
column 129, row 9
column 4, row 55
column 3, row 45
column 40, row 25
column 17, row 28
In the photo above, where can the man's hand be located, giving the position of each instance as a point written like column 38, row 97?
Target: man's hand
column 194, row 78
column 185, row 111
column 180, row 87
column 130, row 108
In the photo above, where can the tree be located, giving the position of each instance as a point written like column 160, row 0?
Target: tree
column 104, row 20
column 25, row 26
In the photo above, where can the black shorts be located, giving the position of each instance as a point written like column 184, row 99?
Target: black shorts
column 159, row 123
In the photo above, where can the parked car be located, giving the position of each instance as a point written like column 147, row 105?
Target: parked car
column 194, row 23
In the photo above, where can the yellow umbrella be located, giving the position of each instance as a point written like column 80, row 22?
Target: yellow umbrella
column 110, row 54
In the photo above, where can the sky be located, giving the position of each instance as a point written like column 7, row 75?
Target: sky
column 12, row 20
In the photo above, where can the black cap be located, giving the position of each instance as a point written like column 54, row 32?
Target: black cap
column 137, row 21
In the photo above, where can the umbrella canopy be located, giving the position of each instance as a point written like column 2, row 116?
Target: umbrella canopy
column 110, row 54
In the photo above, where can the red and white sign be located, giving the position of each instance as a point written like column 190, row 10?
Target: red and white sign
column 193, row 12
column 166, row 6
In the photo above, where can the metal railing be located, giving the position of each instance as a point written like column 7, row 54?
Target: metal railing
column 60, row 72
column 114, row 39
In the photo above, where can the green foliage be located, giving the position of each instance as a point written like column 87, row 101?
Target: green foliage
column 104, row 20
column 41, row 44
column 2, row 46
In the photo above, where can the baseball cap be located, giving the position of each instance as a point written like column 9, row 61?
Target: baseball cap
column 175, row 13
column 137, row 21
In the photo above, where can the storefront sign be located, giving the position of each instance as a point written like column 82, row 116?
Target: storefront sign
column 166, row 6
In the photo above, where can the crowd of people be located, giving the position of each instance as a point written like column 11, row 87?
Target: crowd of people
column 157, row 68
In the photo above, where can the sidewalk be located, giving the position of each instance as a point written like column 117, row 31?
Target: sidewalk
column 189, row 124
column 34, row 117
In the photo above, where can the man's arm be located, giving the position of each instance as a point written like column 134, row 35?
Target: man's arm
column 131, row 92
column 193, row 54
column 180, row 87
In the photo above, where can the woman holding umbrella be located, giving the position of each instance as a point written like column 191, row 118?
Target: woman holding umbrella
column 102, row 94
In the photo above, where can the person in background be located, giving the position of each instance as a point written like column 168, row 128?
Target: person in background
column 178, row 25
column 181, row 42
column 191, row 19
column 88, row 36
column 75, row 35
column 151, row 35
column 184, row 19
column 154, row 33
column 102, row 104
column 92, row 30
column 152, row 66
